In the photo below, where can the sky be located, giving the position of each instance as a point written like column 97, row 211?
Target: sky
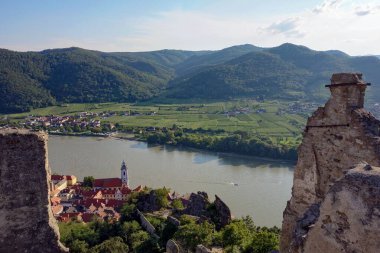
column 352, row 26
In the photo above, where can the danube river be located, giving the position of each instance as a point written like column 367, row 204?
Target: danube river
column 249, row 186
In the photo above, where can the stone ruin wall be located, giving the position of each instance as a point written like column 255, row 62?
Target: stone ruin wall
column 337, row 137
column 26, row 220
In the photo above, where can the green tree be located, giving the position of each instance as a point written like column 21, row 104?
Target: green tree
column 88, row 181
column 193, row 234
column 162, row 197
column 236, row 234
column 78, row 246
column 77, row 129
column 137, row 239
column 177, row 204
column 264, row 241
column 112, row 245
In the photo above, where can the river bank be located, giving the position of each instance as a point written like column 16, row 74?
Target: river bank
column 230, row 144
column 262, row 185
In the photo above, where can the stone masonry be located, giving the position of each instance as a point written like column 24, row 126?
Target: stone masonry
column 337, row 136
column 349, row 219
column 26, row 221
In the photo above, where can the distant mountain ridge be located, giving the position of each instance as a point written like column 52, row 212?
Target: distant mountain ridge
column 286, row 72
column 37, row 79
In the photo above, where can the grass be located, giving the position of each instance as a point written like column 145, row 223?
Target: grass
column 207, row 116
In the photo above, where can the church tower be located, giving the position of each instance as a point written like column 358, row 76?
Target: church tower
column 124, row 174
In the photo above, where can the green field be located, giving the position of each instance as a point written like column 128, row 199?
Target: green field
column 209, row 116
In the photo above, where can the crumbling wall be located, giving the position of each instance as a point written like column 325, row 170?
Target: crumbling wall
column 147, row 225
column 349, row 219
column 26, row 221
column 336, row 137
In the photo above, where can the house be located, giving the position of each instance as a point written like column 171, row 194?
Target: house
column 91, row 194
column 56, row 178
column 71, row 180
column 108, row 183
column 67, row 217
column 119, row 193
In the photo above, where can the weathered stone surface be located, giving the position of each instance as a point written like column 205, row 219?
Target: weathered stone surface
column 223, row 213
column 202, row 249
column 349, row 218
column 173, row 247
column 148, row 202
column 26, row 221
column 337, row 136
column 198, row 204
column 174, row 221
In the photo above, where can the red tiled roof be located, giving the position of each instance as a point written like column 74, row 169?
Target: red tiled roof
column 111, row 191
column 70, row 177
column 115, row 203
column 88, row 217
column 90, row 193
column 57, row 209
column 66, row 217
column 125, row 190
column 95, row 202
column 55, row 200
column 138, row 188
column 57, row 177
column 108, row 183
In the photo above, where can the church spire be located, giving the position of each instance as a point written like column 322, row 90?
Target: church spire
column 124, row 174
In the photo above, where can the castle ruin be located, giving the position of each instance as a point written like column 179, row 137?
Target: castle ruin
column 330, row 209
column 26, row 220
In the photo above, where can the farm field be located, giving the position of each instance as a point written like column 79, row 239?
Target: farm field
column 267, row 118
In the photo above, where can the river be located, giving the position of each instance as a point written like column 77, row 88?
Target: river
column 263, row 186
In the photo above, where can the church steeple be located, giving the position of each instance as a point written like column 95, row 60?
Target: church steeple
column 124, row 174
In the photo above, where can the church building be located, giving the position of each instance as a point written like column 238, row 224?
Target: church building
column 114, row 183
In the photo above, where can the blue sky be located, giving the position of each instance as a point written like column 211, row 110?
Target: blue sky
column 141, row 25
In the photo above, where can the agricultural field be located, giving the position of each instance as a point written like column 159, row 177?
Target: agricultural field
column 260, row 118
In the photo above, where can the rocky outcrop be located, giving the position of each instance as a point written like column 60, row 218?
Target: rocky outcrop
column 173, row 247
column 26, row 221
column 349, row 219
column 223, row 215
column 336, row 137
column 148, row 202
column 198, row 204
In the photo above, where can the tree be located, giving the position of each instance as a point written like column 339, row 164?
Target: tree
column 88, row 181
column 162, row 197
column 78, row 246
column 112, row 245
column 77, row 129
column 264, row 241
column 236, row 234
column 177, row 204
column 194, row 234
column 137, row 239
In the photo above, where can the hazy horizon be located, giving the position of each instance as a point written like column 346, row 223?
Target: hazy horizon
column 350, row 26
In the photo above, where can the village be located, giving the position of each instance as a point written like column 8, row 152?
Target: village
column 102, row 199
column 73, row 200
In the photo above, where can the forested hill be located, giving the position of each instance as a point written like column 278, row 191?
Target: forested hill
column 287, row 72
column 37, row 79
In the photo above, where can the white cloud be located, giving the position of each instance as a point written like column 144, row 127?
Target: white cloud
column 328, row 5
column 289, row 27
column 367, row 9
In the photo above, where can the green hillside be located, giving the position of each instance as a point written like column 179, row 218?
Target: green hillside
column 76, row 75
column 287, row 72
column 73, row 75
column 253, row 74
